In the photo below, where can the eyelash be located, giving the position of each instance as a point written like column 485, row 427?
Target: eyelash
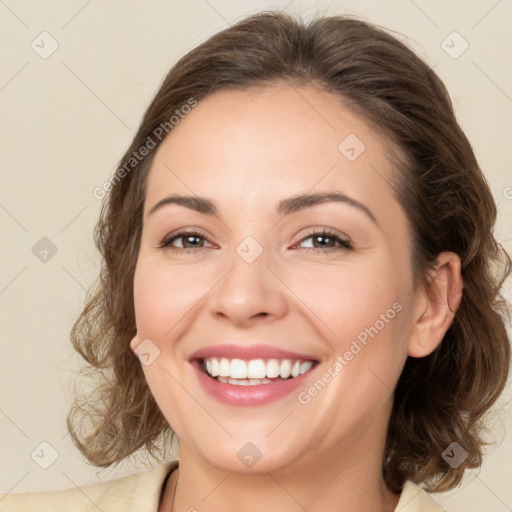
column 345, row 244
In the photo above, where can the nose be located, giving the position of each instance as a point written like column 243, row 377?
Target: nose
column 249, row 293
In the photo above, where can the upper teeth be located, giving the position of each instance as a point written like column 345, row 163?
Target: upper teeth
column 255, row 368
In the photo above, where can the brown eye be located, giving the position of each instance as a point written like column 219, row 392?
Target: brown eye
column 326, row 240
column 191, row 241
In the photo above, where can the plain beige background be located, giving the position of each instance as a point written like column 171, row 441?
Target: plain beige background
column 67, row 118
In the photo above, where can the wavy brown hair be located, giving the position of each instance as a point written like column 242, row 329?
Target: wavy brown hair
column 440, row 398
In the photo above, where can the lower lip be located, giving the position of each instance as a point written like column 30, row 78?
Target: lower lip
column 248, row 396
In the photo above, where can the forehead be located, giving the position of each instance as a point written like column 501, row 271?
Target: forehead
column 262, row 144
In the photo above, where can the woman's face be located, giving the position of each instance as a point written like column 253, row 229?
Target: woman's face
column 259, row 274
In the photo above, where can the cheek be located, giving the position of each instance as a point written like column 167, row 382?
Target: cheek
column 344, row 300
column 163, row 296
column 359, row 313
column 361, row 316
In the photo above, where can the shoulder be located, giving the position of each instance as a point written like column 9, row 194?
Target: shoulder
column 414, row 499
column 139, row 492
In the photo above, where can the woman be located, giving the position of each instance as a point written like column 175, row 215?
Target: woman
column 298, row 250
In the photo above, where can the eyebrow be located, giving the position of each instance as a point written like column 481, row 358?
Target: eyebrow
column 285, row 207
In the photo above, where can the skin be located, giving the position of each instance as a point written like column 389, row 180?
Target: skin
column 246, row 151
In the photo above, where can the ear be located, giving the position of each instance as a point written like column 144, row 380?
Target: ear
column 436, row 305
column 134, row 343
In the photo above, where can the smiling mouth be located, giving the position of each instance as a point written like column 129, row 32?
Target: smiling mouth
column 254, row 372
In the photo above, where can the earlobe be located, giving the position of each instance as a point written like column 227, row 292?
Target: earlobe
column 134, row 343
column 437, row 307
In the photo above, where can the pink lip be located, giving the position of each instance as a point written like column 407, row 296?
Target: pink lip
column 248, row 396
column 247, row 353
